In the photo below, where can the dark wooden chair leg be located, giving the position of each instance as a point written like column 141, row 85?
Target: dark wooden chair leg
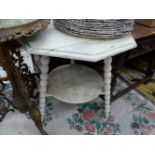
column 133, row 86
column 2, row 86
column 114, row 81
column 36, row 116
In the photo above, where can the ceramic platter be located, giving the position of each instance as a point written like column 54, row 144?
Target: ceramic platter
column 107, row 28
column 73, row 83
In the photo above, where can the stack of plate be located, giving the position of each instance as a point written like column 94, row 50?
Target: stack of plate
column 107, row 28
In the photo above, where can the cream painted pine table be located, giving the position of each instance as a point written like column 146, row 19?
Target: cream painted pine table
column 75, row 83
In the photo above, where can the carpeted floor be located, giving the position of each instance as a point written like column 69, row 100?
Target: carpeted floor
column 131, row 114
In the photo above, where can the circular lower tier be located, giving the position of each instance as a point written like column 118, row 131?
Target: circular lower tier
column 74, row 83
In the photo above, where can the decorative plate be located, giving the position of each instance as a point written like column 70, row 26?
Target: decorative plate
column 106, row 28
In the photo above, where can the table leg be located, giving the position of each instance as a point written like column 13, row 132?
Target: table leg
column 72, row 61
column 43, row 82
column 21, row 94
column 107, row 82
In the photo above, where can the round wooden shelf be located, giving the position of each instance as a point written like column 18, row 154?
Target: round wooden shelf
column 74, row 83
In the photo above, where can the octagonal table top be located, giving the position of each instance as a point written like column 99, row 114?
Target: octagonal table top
column 52, row 42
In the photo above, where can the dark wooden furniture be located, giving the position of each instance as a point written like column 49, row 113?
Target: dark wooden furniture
column 145, row 38
column 20, row 77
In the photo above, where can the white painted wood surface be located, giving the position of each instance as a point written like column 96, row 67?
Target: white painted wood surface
column 107, row 85
column 52, row 42
column 43, row 83
column 75, row 84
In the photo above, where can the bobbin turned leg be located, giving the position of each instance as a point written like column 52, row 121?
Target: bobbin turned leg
column 43, row 82
column 107, row 86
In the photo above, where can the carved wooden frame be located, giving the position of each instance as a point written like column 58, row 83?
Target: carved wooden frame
column 29, row 29
column 21, row 92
